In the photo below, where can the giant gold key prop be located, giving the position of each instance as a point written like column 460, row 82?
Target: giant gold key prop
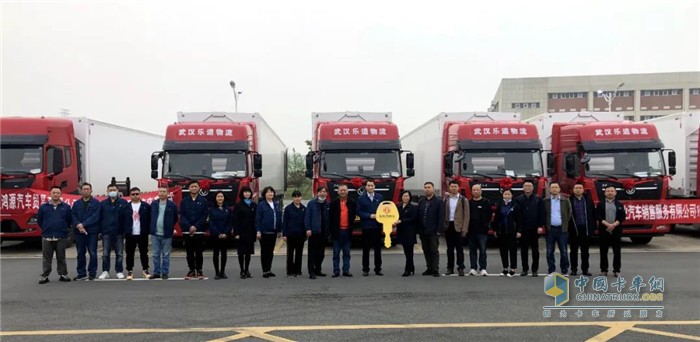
column 387, row 213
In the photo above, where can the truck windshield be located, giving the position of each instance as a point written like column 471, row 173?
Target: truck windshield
column 371, row 164
column 626, row 163
column 21, row 159
column 514, row 163
column 205, row 164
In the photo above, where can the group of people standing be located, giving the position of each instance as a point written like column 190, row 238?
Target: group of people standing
column 516, row 221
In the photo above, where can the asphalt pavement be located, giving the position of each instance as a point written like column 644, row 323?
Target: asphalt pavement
column 388, row 308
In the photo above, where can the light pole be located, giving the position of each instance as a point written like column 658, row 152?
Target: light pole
column 609, row 97
column 235, row 93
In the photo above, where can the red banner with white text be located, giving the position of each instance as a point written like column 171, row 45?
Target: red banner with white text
column 21, row 200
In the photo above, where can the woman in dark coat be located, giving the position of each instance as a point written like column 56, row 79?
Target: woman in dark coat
column 406, row 229
column 244, row 229
column 220, row 231
column 507, row 233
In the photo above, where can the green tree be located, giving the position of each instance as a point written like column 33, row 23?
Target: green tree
column 296, row 173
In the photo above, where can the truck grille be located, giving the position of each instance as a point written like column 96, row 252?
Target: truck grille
column 491, row 190
column 650, row 190
column 386, row 189
column 16, row 183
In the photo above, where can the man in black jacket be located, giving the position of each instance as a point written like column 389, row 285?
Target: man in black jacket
column 341, row 215
column 430, row 215
column 532, row 219
column 581, row 228
column 611, row 213
column 480, row 215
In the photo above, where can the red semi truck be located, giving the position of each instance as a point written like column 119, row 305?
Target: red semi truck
column 223, row 152
column 41, row 152
column 492, row 149
column 352, row 147
column 626, row 155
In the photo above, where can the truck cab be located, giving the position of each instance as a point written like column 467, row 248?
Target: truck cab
column 626, row 155
column 496, row 155
column 37, row 153
column 223, row 152
column 351, row 148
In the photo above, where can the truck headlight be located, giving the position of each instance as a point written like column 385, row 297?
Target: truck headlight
column 661, row 227
column 32, row 220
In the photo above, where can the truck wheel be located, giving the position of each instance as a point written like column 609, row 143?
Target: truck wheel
column 640, row 240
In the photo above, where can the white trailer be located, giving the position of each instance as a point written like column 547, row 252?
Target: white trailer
column 269, row 145
column 426, row 144
column 679, row 132
column 107, row 150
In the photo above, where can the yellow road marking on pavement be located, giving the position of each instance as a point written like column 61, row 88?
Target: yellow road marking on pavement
column 279, row 245
column 614, row 329
column 665, row 333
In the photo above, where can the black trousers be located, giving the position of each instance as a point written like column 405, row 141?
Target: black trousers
column 133, row 241
column 220, row 248
column 608, row 240
column 530, row 240
column 454, row 241
column 316, row 253
column 48, row 248
column 408, row 252
column 372, row 240
column 194, row 244
column 267, row 249
column 577, row 241
column 295, row 249
column 430, row 244
column 508, row 246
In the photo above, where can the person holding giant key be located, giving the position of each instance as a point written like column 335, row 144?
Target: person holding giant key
column 367, row 205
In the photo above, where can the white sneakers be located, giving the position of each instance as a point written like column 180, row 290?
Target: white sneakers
column 105, row 275
column 120, row 275
column 472, row 272
column 484, row 273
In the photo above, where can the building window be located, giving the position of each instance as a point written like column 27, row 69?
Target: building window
column 573, row 95
column 662, row 92
column 695, row 91
column 648, row 117
column 629, row 117
column 525, row 105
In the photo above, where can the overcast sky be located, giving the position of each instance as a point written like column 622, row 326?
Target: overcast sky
column 138, row 63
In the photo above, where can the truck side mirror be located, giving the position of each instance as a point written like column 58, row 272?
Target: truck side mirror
column 257, row 162
column 309, row 165
column 410, row 161
column 56, row 157
column 550, row 164
column 672, row 163
column 586, row 158
column 257, row 173
column 570, row 164
column 672, row 159
column 410, row 172
column 154, row 164
column 447, row 161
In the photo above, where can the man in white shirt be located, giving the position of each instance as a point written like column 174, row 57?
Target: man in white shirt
column 455, row 226
column 135, row 219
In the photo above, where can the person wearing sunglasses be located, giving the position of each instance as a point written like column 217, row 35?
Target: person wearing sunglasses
column 135, row 222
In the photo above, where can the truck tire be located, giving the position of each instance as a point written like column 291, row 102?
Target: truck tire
column 640, row 240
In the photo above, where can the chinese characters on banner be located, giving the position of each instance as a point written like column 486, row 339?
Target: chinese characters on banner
column 500, row 131
column 208, row 132
column 669, row 211
column 359, row 131
column 21, row 200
